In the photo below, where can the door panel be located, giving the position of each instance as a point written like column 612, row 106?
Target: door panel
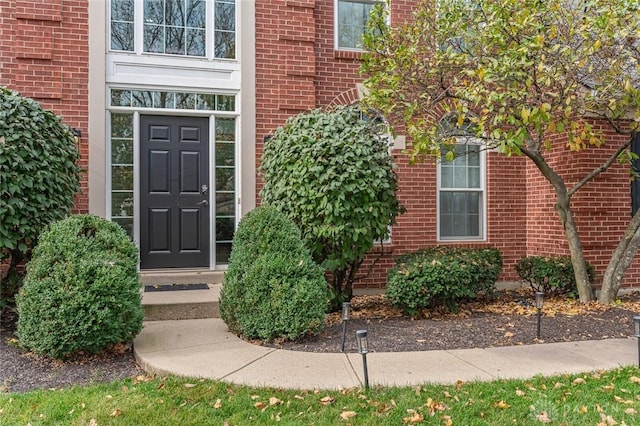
column 174, row 198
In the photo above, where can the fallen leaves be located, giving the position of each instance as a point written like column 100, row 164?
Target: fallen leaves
column 502, row 404
column 346, row 415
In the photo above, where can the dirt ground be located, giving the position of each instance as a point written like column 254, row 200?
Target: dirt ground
column 510, row 319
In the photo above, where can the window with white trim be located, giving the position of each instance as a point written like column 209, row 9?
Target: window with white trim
column 351, row 17
column 197, row 28
column 461, row 190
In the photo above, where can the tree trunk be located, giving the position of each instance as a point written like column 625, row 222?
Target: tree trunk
column 620, row 261
column 585, row 291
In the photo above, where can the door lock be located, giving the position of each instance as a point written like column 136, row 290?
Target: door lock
column 204, row 189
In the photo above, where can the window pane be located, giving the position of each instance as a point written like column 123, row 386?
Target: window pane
column 122, row 10
column 225, row 14
column 154, row 38
column 206, row 102
column 122, row 36
column 197, row 12
column 122, row 151
column 175, row 40
column 142, row 98
column 174, row 13
column 225, row 179
column 164, row 100
column 225, row 154
column 225, row 103
column 460, row 214
column 223, row 250
column 352, row 21
column 226, row 129
column 122, row 204
column 225, row 45
column 224, row 229
column 225, row 205
column 122, row 177
column 196, row 42
column 154, row 12
column 185, row 100
column 122, row 125
column 446, row 176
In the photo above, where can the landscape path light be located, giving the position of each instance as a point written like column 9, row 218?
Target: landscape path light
column 346, row 314
column 636, row 323
column 539, row 303
column 363, row 349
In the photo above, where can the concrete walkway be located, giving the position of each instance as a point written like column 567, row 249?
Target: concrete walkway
column 205, row 348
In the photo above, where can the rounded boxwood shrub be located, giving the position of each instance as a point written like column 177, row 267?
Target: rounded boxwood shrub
column 552, row 275
column 81, row 291
column 272, row 288
column 442, row 275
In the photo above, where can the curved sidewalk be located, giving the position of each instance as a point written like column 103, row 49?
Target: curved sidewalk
column 204, row 348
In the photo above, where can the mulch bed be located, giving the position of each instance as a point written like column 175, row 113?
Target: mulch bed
column 508, row 320
column 511, row 319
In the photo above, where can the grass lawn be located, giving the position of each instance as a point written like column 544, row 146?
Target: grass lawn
column 602, row 398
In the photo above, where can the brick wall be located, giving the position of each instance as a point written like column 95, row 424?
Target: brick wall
column 299, row 69
column 602, row 208
column 44, row 55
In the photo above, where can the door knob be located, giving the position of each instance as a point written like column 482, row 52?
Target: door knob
column 203, row 203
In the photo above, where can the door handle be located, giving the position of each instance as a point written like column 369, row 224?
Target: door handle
column 203, row 203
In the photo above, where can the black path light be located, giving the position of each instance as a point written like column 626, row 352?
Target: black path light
column 636, row 323
column 539, row 302
column 346, row 314
column 363, row 349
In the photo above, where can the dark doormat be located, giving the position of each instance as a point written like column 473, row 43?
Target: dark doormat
column 174, row 287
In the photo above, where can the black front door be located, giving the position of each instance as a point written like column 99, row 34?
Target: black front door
column 174, row 193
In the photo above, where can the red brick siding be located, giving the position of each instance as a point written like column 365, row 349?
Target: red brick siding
column 44, row 55
column 602, row 208
column 521, row 220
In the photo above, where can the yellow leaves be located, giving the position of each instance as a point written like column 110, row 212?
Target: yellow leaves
column 524, row 114
column 116, row 413
column 622, row 400
column 414, row 417
column 631, row 411
column 579, row 381
column 346, row 415
column 481, row 72
column 274, row 401
column 190, row 385
column 260, row 405
column 327, row 400
column 520, row 392
column 502, row 404
column 634, row 379
column 218, row 404
column 583, row 409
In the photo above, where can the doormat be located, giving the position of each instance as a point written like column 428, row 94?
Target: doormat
column 174, row 287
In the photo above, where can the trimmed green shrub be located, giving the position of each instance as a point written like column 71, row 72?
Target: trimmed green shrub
column 38, row 178
column 272, row 288
column 442, row 275
column 81, row 291
column 332, row 174
column 552, row 275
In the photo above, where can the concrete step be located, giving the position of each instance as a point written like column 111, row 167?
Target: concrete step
column 181, row 303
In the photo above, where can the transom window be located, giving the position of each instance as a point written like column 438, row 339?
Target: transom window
column 461, row 188
column 351, row 21
column 199, row 28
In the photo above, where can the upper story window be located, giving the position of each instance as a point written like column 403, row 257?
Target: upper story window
column 197, row 28
column 635, row 184
column 351, row 21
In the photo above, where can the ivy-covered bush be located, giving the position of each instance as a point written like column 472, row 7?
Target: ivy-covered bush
column 552, row 275
column 38, row 178
column 272, row 288
column 442, row 275
column 332, row 174
column 81, row 291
